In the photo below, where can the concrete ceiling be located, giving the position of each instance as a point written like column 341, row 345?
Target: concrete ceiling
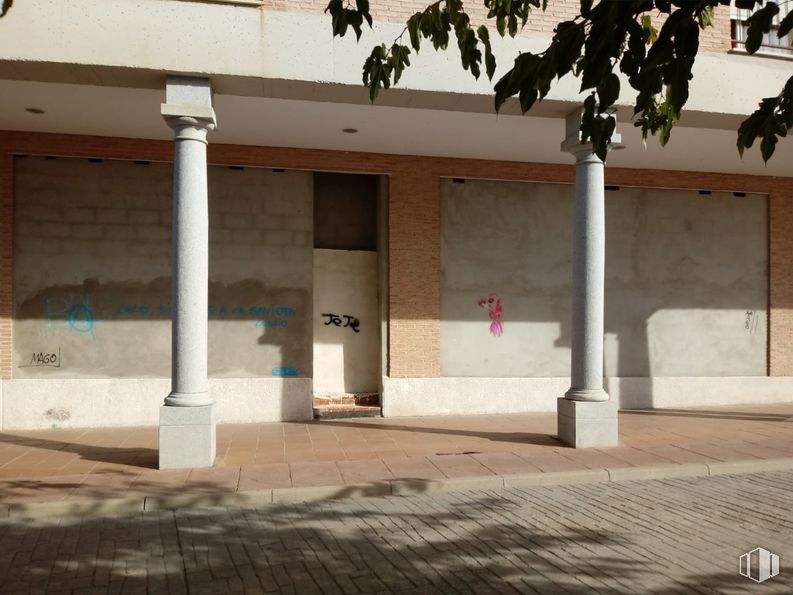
column 134, row 113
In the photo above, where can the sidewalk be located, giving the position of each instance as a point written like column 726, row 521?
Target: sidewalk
column 114, row 469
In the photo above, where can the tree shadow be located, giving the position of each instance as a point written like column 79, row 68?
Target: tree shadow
column 517, row 437
column 480, row 543
column 138, row 457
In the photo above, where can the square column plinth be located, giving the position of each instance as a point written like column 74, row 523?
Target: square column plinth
column 187, row 437
column 585, row 424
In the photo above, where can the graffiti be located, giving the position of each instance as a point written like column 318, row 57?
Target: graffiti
column 750, row 321
column 133, row 310
column 349, row 321
column 44, row 359
column 492, row 303
column 285, row 371
column 272, row 323
column 75, row 313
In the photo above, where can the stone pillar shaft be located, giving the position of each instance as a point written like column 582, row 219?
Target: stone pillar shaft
column 585, row 416
column 187, row 419
column 190, row 268
column 589, row 257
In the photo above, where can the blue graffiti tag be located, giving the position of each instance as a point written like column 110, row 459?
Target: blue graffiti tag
column 285, row 371
column 75, row 312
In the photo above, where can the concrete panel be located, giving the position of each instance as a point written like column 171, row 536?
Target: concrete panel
column 462, row 396
column 346, row 357
column 188, row 437
column 69, row 403
column 686, row 281
column 587, row 424
column 92, row 270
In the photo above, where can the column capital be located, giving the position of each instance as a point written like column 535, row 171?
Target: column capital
column 188, row 107
column 583, row 152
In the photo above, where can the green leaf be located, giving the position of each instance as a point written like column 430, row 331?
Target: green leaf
column 355, row 20
column 570, row 38
column 746, row 4
column 490, row 59
column 399, row 60
column 651, row 33
column 785, row 25
column 608, row 92
column 513, row 25
column 6, row 6
column 413, row 31
column 469, row 53
column 527, row 97
column 706, row 17
column 760, row 23
column 501, row 25
column 520, row 76
column 377, row 71
column 363, row 10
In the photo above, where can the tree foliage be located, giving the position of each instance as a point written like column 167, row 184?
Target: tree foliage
column 605, row 38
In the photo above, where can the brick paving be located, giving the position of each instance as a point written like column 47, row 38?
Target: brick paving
column 651, row 537
column 71, row 464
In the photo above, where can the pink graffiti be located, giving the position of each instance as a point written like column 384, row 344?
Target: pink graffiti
column 493, row 306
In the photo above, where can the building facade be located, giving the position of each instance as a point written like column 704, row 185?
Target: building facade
column 418, row 248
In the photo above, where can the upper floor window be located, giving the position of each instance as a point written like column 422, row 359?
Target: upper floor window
column 771, row 44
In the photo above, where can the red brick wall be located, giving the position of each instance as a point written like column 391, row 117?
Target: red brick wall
column 6, row 262
column 414, row 226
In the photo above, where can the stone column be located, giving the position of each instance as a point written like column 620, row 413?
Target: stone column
column 586, row 415
column 187, row 423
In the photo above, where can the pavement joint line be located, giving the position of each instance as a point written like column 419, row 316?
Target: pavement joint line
column 391, row 487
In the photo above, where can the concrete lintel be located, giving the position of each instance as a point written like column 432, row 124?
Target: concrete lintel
column 185, row 90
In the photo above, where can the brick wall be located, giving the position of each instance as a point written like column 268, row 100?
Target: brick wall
column 716, row 38
column 414, row 208
column 414, row 274
column 6, row 261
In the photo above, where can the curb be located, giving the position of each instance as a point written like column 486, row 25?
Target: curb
column 395, row 487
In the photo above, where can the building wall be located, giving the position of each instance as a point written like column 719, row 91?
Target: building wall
column 92, row 270
column 686, row 281
column 413, row 385
column 346, row 350
column 716, row 38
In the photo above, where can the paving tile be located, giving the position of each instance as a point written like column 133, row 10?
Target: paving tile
column 260, row 477
column 505, row 463
column 363, row 471
column 459, row 465
column 213, row 479
column 412, row 468
column 315, row 474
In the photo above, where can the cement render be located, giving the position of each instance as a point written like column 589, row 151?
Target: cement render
column 92, row 270
column 686, row 281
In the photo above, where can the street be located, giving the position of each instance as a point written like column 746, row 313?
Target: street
column 661, row 536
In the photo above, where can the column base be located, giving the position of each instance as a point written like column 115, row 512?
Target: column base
column 188, row 399
column 587, row 424
column 187, row 437
column 593, row 395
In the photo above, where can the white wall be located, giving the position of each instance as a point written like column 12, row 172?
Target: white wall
column 345, row 361
column 686, row 281
column 92, row 270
